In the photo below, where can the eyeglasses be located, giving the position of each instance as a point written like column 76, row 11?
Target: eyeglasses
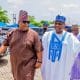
column 26, row 22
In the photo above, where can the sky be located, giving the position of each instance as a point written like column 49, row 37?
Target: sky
column 45, row 9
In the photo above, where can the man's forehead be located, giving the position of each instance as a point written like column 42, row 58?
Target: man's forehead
column 75, row 26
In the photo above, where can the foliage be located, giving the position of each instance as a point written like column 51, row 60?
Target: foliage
column 39, row 23
column 3, row 16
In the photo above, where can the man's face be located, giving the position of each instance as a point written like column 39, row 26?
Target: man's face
column 23, row 24
column 75, row 30
column 59, row 26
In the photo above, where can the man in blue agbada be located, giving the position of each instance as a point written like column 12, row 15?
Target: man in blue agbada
column 60, row 50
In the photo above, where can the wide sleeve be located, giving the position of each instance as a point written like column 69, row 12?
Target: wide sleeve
column 7, row 39
column 44, row 39
column 75, row 45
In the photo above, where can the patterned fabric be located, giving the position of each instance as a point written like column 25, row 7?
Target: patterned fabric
column 55, row 47
column 23, row 16
column 60, row 18
column 59, row 70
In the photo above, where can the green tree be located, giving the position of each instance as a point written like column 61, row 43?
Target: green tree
column 34, row 22
column 3, row 16
column 45, row 22
column 39, row 23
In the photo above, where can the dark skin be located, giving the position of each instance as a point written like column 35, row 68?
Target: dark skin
column 75, row 30
column 23, row 26
column 59, row 27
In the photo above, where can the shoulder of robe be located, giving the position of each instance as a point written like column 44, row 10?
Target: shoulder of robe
column 69, row 36
column 47, row 35
column 11, row 32
column 33, row 31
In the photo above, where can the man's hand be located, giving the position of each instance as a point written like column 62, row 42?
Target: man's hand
column 39, row 60
column 3, row 49
column 37, row 65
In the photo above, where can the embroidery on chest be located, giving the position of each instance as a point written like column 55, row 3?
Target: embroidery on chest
column 55, row 48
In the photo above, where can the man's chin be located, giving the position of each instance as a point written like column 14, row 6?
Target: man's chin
column 59, row 32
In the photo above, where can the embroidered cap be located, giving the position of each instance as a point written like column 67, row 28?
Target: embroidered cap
column 60, row 18
column 23, row 16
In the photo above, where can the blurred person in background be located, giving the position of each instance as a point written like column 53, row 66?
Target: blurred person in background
column 45, row 26
column 75, row 30
column 75, row 72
